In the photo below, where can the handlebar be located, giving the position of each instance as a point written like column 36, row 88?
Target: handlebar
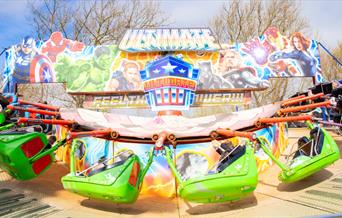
column 294, row 101
column 231, row 133
column 95, row 133
column 33, row 110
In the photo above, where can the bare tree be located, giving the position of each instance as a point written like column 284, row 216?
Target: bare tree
column 289, row 86
column 110, row 19
column 52, row 93
column 94, row 22
column 49, row 16
column 240, row 21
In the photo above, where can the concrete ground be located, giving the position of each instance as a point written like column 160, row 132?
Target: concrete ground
column 318, row 195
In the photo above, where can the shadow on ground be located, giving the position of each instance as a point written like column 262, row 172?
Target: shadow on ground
column 46, row 184
column 142, row 205
column 222, row 207
column 312, row 180
column 339, row 143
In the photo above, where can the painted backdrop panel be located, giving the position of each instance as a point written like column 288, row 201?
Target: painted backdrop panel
column 106, row 68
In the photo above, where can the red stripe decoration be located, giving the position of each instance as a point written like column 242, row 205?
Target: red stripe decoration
column 177, row 95
column 162, row 96
column 170, row 96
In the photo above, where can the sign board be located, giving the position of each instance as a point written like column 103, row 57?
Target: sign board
column 169, row 84
column 104, row 102
column 147, row 40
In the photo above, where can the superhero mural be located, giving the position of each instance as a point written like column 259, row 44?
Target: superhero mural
column 192, row 160
column 89, row 70
column 106, row 68
column 32, row 62
column 18, row 62
column 274, row 55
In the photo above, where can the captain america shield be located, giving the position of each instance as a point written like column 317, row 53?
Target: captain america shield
column 41, row 70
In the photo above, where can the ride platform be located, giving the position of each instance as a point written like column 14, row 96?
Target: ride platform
column 317, row 195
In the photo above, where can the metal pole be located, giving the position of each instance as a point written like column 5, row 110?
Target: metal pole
column 327, row 51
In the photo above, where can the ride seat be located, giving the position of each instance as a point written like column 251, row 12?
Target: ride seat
column 304, row 147
column 336, row 92
column 305, row 144
column 339, row 103
column 235, row 154
column 118, row 163
column 317, row 136
column 105, row 165
column 52, row 139
column 99, row 169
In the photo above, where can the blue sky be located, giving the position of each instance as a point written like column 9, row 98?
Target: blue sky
column 324, row 17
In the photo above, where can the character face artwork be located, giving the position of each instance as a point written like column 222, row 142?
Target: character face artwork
column 102, row 55
column 28, row 45
column 104, row 61
column 235, row 74
column 209, row 80
column 131, row 73
column 56, row 38
column 229, row 60
column 271, row 34
column 205, row 73
column 297, row 44
column 27, row 50
column 205, row 69
column 275, row 39
column 126, row 77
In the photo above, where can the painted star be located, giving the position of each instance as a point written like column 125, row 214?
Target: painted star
column 156, row 71
column 47, row 75
column 169, row 68
column 182, row 71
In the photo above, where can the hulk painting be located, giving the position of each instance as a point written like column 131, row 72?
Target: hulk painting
column 88, row 72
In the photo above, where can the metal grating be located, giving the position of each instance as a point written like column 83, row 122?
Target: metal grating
column 13, row 204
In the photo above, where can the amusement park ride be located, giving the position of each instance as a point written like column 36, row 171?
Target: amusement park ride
column 169, row 84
